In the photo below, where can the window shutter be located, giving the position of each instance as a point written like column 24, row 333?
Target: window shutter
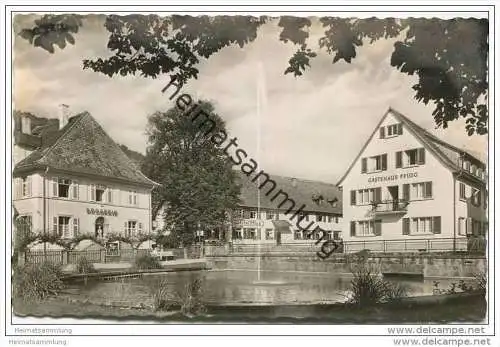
column 406, row 226
column 76, row 226
column 428, row 189
column 110, row 195
column 382, row 132
column 125, row 228
column 92, row 192
column 54, row 225
column 28, row 188
column 353, row 197
column 468, row 226
column 75, row 190
column 363, row 165
column 399, row 159
column 353, row 228
column 54, row 187
column 400, row 129
column 406, row 192
column 378, row 228
column 436, row 225
column 421, row 156
column 378, row 194
column 384, row 162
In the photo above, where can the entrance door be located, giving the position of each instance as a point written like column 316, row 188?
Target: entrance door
column 278, row 237
column 394, row 193
column 99, row 227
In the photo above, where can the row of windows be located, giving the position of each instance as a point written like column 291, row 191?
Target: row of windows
column 414, row 191
column 308, row 235
column 410, row 226
column 473, row 169
column 252, row 234
column 274, row 215
column 408, row 158
column 391, row 130
column 471, row 226
column 70, row 189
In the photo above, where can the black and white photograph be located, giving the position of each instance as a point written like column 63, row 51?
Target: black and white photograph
column 260, row 168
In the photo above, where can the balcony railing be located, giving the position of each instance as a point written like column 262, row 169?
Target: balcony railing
column 390, row 207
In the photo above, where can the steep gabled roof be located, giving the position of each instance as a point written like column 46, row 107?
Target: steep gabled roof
column 83, row 147
column 446, row 153
column 300, row 190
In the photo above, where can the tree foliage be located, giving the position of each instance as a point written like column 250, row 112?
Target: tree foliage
column 449, row 57
column 197, row 181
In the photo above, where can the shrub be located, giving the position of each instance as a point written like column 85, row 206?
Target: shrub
column 162, row 299
column 84, row 266
column 368, row 288
column 146, row 262
column 192, row 299
column 37, row 281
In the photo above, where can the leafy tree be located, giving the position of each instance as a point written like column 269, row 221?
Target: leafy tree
column 197, row 181
column 448, row 56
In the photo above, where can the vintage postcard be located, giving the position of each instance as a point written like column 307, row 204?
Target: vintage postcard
column 252, row 167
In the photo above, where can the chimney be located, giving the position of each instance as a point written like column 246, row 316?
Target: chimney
column 63, row 115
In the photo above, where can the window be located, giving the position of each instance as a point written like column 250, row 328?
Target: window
column 253, row 214
column 250, row 233
column 270, row 215
column 22, row 187
column 99, row 193
column 473, row 169
column 24, row 224
column 462, row 191
column 132, row 198
column 303, row 217
column 297, row 235
column 378, row 163
column 462, row 226
column 269, row 234
column 61, row 226
column 466, row 165
column 336, row 219
column 422, row 225
column 320, row 218
column 368, row 196
column 422, row 190
column 132, row 227
column 365, row 228
column 394, row 129
column 237, row 234
column 411, row 157
column 63, row 187
column 475, row 197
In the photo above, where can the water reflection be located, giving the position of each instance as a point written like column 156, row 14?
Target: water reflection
column 240, row 287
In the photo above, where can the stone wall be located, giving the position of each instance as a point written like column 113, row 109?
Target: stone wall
column 426, row 265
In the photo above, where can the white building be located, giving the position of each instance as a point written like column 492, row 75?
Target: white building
column 407, row 190
column 70, row 177
column 259, row 219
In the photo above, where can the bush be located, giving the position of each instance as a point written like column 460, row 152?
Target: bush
column 162, row 299
column 146, row 262
column 37, row 281
column 368, row 288
column 84, row 266
column 191, row 300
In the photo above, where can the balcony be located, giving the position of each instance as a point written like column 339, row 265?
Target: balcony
column 389, row 207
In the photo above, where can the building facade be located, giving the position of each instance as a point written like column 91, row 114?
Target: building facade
column 71, row 178
column 259, row 219
column 407, row 190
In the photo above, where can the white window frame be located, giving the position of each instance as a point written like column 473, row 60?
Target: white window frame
column 269, row 233
column 28, row 223
column 132, row 227
column 392, row 130
column 365, row 228
column 63, row 230
column 421, row 225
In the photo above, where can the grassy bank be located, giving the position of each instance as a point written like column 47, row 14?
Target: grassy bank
column 465, row 307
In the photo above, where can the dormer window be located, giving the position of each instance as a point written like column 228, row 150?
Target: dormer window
column 466, row 165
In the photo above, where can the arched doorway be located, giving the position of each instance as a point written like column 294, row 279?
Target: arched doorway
column 99, row 227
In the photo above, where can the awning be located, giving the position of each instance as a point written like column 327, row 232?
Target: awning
column 282, row 226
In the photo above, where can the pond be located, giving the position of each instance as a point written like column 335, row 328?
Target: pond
column 239, row 287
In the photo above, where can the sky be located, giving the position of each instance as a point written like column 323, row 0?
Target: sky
column 310, row 126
